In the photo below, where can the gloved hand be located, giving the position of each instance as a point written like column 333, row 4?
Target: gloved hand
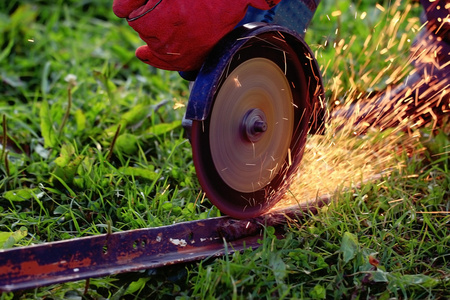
column 180, row 33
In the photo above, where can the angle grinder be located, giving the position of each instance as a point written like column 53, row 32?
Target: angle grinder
column 253, row 103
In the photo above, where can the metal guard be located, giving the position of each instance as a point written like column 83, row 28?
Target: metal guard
column 215, row 66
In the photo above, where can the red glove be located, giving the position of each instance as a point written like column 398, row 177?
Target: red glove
column 180, row 33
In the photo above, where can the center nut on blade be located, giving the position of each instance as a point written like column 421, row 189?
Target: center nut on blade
column 254, row 125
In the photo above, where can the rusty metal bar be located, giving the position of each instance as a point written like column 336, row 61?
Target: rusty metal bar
column 102, row 255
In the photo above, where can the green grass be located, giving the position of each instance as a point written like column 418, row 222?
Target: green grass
column 94, row 140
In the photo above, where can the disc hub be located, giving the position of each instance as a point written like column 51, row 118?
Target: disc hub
column 254, row 125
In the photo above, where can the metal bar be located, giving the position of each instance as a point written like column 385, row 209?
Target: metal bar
column 102, row 255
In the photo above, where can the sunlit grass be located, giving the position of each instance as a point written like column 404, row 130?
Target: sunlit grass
column 119, row 158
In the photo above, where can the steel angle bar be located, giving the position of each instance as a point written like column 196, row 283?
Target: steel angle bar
column 107, row 254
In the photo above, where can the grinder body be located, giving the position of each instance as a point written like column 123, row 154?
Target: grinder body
column 293, row 14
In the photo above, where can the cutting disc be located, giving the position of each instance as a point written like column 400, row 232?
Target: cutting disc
column 246, row 156
column 249, row 146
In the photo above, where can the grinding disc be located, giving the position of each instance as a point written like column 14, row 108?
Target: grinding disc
column 244, row 162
